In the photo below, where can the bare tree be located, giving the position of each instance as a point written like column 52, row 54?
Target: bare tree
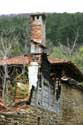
column 69, row 49
column 5, row 51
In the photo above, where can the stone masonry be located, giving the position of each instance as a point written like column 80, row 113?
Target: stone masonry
column 72, row 105
column 30, row 116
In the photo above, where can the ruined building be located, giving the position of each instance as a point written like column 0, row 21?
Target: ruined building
column 40, row 81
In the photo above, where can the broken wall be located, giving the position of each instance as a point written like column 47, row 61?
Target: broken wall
column 43, row 94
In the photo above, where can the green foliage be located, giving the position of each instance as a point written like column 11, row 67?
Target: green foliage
column 57, row 53
column 63, row 26
column 78, row 58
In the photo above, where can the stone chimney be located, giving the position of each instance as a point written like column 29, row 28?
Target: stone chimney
column 38, row 33
column 37, row 46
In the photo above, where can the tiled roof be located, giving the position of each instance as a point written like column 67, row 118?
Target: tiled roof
column 16, row 60
column 27, row 59
column 57, row 60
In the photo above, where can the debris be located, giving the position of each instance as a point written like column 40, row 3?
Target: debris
column 2, row 106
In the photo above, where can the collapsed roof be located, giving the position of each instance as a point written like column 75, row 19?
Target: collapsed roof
column 57, row 66
column 71, row 70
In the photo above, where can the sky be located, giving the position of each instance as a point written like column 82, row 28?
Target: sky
column 32, row 6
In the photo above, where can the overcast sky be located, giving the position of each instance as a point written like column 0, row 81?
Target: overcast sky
column 29, row 6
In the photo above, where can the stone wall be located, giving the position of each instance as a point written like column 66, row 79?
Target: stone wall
column 72, row 105
column 71, row 111
column 30, row 116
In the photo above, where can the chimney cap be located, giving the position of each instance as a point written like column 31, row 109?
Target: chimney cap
column 39, row 14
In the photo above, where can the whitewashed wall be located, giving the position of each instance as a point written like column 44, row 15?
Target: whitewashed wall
column 33, row 73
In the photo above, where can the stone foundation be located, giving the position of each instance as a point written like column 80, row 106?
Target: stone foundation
column 29, row 116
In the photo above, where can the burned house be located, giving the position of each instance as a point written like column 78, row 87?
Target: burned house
column 34, row 78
